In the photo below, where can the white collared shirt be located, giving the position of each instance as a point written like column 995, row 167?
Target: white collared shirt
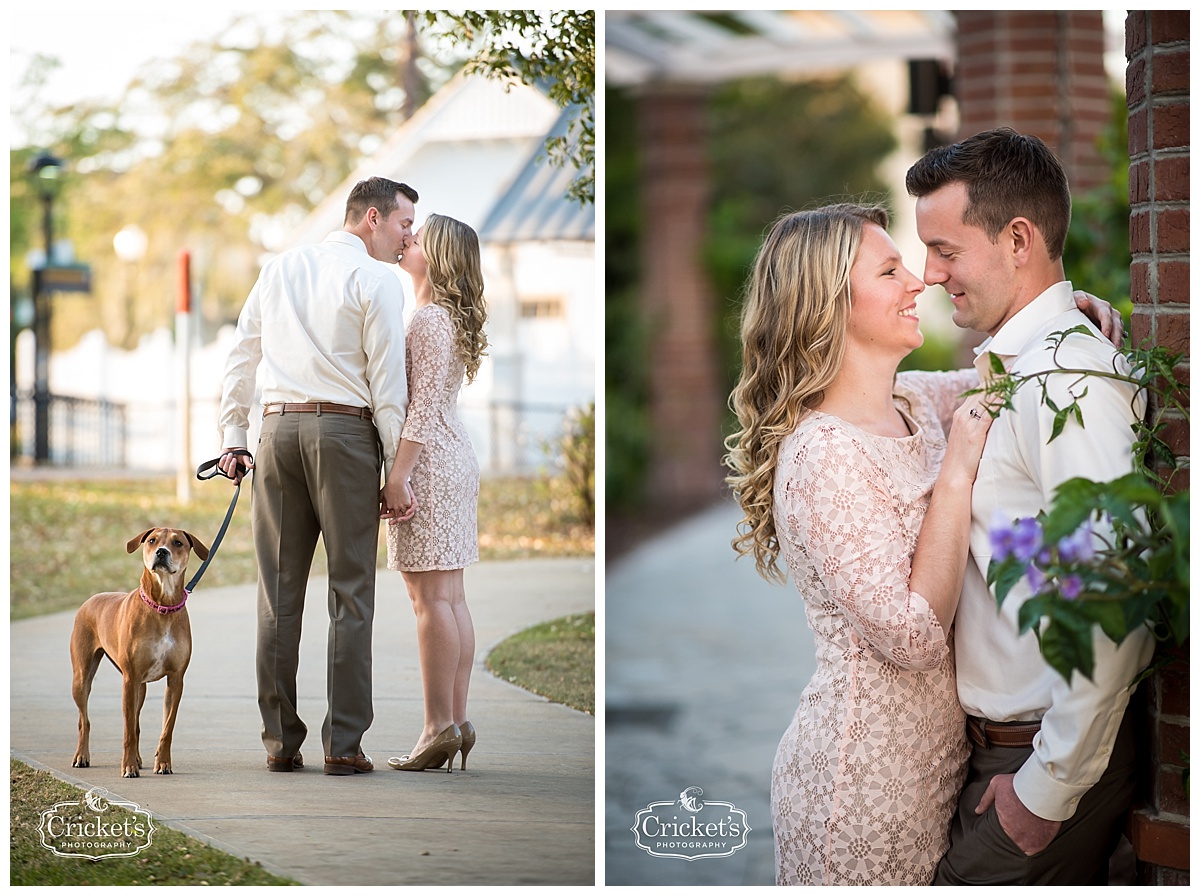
column 1003, row 677
column 325, row 322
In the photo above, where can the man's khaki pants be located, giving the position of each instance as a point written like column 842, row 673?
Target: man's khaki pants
column 316, row 475
column 981, row 853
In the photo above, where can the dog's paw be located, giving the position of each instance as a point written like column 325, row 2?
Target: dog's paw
column 81, row 762
column 162, row 770
column 130, row 772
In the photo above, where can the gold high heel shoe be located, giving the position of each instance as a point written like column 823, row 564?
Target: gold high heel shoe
column 441, row 749
column 468, row 741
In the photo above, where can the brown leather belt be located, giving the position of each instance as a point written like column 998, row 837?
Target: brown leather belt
column 317, row 407
column 983, row 733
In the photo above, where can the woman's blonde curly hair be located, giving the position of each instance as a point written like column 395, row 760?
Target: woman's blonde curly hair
column 454, row 272
column 797, row 307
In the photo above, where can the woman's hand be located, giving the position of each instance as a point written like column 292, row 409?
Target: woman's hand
column 968, row 434
column 396, row 500
column 1103, row 315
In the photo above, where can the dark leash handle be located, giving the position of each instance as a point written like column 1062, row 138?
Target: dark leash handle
column 210, row 470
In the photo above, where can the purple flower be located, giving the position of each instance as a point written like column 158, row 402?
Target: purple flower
column 1027, row 539
column 1022, row 539
column 1078, row 547
column 1070, row 587
column 1001, row 534
column 1036, row 579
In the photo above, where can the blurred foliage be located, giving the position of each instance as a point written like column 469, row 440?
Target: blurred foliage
column 779, row 147
column 626, row 342
column 1096, row 256
column 775, row 146
column 552, row 49
column 578, row 458
column 934, row 354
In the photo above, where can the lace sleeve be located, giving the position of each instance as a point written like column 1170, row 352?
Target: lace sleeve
column 430, row 353
column 838, row 512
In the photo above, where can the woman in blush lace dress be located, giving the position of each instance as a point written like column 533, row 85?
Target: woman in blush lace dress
column 861, row 480
column 444, row 345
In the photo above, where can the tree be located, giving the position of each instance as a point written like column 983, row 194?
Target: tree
column 217, row 150
column 553, row 50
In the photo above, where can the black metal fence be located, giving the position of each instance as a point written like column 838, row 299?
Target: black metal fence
column 84, row 432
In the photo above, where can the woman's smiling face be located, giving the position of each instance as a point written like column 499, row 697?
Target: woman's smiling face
column 883, row 297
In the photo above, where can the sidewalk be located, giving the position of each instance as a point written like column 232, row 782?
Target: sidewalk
column 705, row 662
column 522, row 812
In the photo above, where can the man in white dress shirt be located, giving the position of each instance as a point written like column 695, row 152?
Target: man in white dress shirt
column 325, row 323
column 1052, row 766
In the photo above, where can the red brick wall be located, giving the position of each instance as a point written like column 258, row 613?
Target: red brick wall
column 1158, row 50
column 1039, row 73
column 685, row 464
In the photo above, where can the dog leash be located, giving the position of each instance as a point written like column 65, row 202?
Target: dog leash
column 210, row 470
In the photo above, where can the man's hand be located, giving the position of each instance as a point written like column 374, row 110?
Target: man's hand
column 1030, row 832
column 235, row 466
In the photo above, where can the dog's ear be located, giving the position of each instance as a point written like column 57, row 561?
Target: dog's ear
column 136, row 540
column 197, row 545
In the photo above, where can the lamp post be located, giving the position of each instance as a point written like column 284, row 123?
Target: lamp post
column 45, row 169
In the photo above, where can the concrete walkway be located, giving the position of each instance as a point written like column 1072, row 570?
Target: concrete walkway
column 705, row 662
column 523, row 812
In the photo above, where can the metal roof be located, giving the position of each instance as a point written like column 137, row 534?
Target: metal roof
column 695, row 47
column 536, row 206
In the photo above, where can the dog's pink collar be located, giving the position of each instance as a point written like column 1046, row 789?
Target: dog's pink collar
column 159, row 608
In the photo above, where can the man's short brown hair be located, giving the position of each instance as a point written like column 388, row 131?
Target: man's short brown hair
column 1007, row 175
column 378, row 193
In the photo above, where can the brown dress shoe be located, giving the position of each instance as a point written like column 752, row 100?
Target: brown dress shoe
column 285, row 763
column 348, row 765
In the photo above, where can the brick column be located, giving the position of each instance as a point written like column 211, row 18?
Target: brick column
column 1158, row 50
column 1039, row 73
column 685, row 464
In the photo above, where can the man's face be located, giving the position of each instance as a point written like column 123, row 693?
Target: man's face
column 961, row 258
column 391, row 235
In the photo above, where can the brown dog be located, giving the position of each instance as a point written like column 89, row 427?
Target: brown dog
column 146, row 635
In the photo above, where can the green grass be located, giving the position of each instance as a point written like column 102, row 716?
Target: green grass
column 67, row 538
column 555, row 659
column 171, row 858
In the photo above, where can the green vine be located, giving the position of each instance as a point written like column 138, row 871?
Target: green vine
column 1110, row 554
